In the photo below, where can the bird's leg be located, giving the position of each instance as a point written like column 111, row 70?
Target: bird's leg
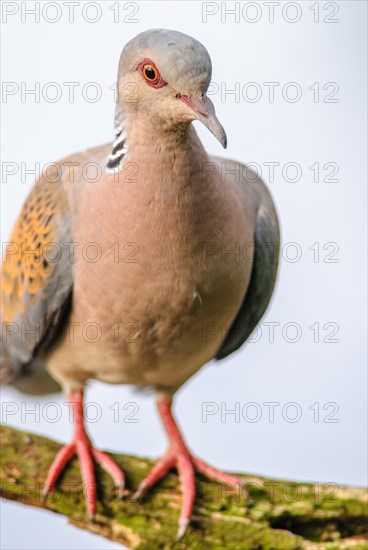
column 81, row 445
column 178, row 455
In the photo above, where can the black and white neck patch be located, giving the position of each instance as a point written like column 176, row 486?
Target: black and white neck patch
column 119, row 149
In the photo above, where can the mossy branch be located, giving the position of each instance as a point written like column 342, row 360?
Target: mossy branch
column 276, row 515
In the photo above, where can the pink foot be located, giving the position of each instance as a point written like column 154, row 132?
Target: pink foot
column 81, row 446
column 178, row 455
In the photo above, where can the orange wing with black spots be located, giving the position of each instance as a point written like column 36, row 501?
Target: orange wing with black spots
column 36, row 276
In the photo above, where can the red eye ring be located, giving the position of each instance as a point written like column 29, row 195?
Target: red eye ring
column 151, row 74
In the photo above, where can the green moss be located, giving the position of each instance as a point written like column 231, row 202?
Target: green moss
column 271, row 518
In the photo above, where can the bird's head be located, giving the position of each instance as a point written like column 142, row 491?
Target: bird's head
column 164, row 76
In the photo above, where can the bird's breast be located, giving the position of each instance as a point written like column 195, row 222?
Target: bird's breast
column 158, row 280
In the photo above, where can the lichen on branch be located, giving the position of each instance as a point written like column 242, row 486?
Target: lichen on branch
column 275, row 515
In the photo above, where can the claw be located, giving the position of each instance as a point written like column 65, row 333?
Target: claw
column 140, row 492
column 120, row 485
column 108, row 464
column 91, row 516
column 45, row 493
column 183, row 525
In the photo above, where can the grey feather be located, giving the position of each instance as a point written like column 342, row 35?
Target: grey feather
column 263, row 277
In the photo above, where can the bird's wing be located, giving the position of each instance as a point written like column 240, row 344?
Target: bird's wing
column 264, row 268
column 36, row 275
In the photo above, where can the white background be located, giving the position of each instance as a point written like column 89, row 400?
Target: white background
column 306, row 132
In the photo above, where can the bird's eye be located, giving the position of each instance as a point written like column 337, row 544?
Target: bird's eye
column 150, row 73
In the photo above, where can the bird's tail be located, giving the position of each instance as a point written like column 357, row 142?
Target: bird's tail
column 31, row 379
column 8, row 370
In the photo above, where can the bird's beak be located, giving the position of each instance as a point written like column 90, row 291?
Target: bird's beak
column 205, row 113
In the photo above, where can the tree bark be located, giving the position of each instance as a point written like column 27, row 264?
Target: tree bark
column 276, row 514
